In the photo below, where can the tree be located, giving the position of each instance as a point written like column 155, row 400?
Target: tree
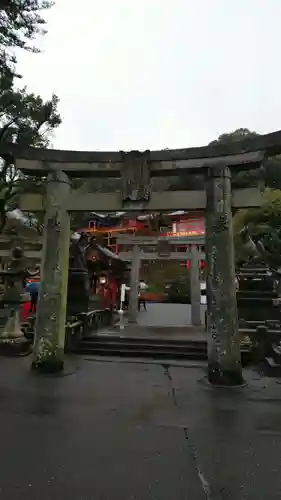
column 270, row 173
column 194, row 182
column 20, row 22
column 236, row 135
column 264, row 224
column 248, row 178
column 27, row 120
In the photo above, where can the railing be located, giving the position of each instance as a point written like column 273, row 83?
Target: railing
column 84, row 325
column 77, row 328
column 262, row 337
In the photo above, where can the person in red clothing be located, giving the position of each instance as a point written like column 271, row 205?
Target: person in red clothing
column 24, row 311
column 112, row 293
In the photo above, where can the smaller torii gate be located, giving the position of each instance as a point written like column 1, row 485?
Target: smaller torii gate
column 163, row 252
column 136, row 171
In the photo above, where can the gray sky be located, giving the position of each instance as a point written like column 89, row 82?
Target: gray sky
column 152, row 74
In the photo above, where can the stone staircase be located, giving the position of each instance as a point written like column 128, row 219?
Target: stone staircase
column 139, row 347
column 149, row 348
column 271, row 365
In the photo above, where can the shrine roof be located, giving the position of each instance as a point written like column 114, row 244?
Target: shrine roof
column 108, row 253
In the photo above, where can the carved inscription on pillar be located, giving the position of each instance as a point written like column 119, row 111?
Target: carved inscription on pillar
column 136, row 182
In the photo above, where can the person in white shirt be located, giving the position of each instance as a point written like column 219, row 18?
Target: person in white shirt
column 126, row 301
column 142, row 288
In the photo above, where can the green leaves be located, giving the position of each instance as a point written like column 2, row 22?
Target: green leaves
column 236, row 135
column 25, row 119
column 20, row 22
column 264, row 224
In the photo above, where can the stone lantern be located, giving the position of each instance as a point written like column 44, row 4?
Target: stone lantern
column 12, row 339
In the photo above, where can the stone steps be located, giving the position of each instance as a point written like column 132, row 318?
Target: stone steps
column 153, row 348
column 143, row 348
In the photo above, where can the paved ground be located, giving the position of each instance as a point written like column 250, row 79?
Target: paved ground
column 161, row 320
column 124, row 431
column 161, row 314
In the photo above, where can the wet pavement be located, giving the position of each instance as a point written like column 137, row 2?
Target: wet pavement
column 166, row 314
column 122, row 431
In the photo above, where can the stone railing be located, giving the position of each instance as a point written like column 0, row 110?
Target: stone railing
column 86, row 324
column 81, row 326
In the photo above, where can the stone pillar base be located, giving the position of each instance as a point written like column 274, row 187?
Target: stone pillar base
column 51, row 364
column 15, row 347
column 219, row 376
column 12, row 339
column 12, row 328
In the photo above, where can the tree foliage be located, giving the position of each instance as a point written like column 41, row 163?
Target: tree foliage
column 25, row 118
column 235, row 136
column 246, row 178
column 264, row 224
column 20, row 22
column 270, row 173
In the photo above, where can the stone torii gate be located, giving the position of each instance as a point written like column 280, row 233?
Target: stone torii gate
column 136, row 170
column 164, row 253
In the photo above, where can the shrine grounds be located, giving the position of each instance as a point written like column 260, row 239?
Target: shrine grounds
column 123, row 430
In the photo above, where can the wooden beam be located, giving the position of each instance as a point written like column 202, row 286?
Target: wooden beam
column 29, row 254
column 270, row 143
column 152, row 241
column 37, row 254
column 157, row 168
column 162, row 201
column 154, row 256
column 246, row 198
column 185, row 240
column 7, row 238
column 31, row 202
column 72, row 168
column 136, row 240
column 172, row 168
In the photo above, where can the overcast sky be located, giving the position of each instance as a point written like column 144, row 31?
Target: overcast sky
column 152, row 74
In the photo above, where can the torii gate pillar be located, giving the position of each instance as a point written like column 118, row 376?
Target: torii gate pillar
column 195, row 291
column 51, row 315
column 222, row 323
column 134, row 284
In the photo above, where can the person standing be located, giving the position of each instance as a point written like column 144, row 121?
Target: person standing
column 142, row 289
column 33, row 289
column 126, row 299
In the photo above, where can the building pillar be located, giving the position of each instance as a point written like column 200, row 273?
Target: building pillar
column 51, row 314
column 134, row 285
column 195, row 291
column 224, row 357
